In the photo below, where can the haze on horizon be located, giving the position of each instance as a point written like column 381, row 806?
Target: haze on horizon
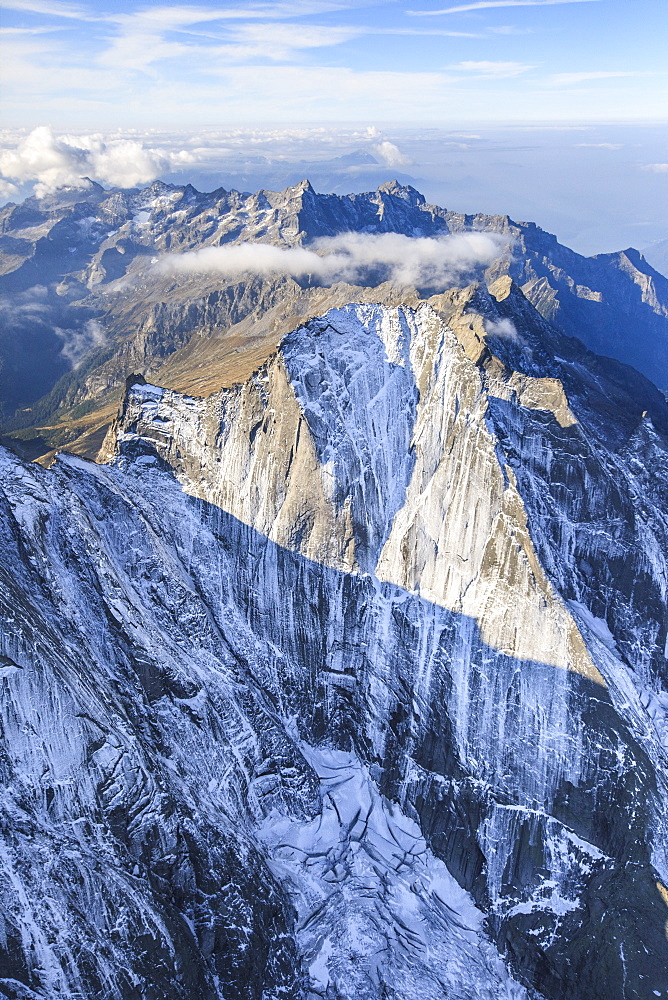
column 550, row 110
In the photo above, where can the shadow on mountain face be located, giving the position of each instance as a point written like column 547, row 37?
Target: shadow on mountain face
column 173, row 649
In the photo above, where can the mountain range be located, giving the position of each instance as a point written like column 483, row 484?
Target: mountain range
column 80, row 290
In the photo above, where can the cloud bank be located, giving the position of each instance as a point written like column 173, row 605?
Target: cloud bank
column 64, row 161
column 424, row 262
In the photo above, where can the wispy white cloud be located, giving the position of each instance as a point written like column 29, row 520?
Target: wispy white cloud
column 423, row 32
column 494, row 69
column 510, row 29
column 6, row 32
column 486, row 4
column 41, row 64
column 423, row 262
column 170, row 15
column 390, row 154
column 139, row 50
column 598, row 145
column 175, row 16
column 568, row 79
column 142, row 41
column 504, row 328
column 656, row 168
column 51, row 8
column 142, row 36
column 136, row 40
column 177, row 64
column 79, row 341
column 280, row 41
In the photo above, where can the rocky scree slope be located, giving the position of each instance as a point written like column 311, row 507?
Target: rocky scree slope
column 348, row 681
column 79, row 289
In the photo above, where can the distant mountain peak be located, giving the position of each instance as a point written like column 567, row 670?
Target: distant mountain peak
column 302, row 187
column 405, row 191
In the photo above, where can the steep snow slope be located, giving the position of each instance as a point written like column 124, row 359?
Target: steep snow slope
column 349, row 681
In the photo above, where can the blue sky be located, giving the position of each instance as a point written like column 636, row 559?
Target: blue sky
column 99, row 65
column 549, row 110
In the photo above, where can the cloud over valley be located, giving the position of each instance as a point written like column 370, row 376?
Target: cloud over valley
column 353, row 257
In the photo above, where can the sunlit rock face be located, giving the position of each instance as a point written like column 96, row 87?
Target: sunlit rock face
column 349, row 681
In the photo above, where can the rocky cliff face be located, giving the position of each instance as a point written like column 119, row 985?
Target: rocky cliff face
column 348, row 681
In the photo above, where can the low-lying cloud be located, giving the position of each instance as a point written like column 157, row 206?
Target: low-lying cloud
column 36, row 312
column 79, row 341
column 390, row 154
column 504, row 328
column 353, row 257
column 64, row 161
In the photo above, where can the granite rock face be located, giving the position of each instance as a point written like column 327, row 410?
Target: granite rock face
column 348, row 681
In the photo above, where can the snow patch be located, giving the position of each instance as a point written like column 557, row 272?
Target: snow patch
column 372, row 900
column 596, row 625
